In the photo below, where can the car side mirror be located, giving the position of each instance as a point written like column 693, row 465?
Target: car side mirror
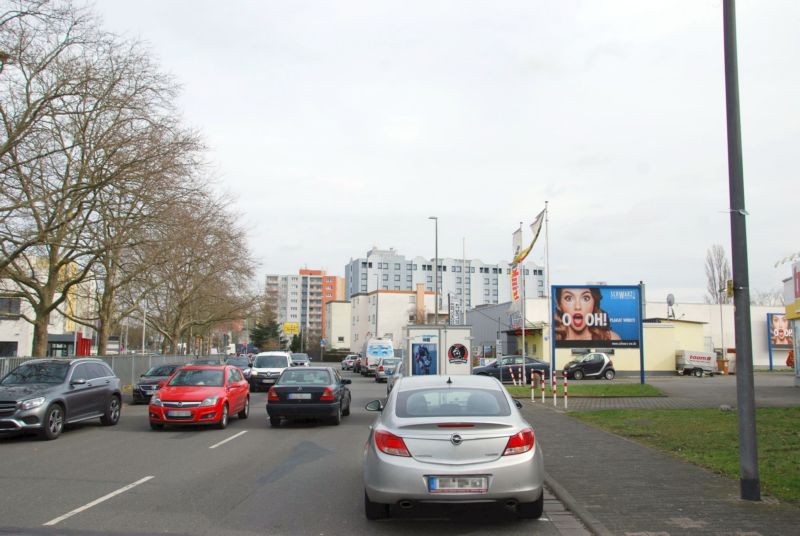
column 495, row 364
column 518, row 403
column 375, row 405
column 162, row 383
column 78, row 381
column 346, row 381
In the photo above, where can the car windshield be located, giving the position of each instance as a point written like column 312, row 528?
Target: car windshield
column 271, row 361
column 305, row 377
column 161, row 370
column 390, row 362
column 452, row 402
column 198, row 377
column 239, row 362
column 37, row 373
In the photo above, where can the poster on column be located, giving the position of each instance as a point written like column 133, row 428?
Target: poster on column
column 423, row 359
column 597, row 316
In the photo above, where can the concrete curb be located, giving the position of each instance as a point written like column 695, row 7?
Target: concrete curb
column 591, row 522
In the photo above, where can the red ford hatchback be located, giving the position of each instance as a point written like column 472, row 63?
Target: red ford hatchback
column 200, row 394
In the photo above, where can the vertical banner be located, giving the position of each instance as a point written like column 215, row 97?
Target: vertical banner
column 598, row 316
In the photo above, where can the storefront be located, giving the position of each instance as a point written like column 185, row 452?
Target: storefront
column 791, row 294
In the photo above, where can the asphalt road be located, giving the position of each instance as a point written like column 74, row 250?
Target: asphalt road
column 247, row 479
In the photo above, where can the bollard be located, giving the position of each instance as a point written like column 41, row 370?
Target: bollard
column 565, row 390
column 542, row 384
column 513, row 376
column 533, row 386
column 521, row 375
column 555, row 386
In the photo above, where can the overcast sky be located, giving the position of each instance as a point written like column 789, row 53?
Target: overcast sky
column 338, row 126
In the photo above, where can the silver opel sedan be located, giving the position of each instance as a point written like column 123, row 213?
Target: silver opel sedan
column 457, row 439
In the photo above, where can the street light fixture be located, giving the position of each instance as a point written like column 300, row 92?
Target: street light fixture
column 436, row 272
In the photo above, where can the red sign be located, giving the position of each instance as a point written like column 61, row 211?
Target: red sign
column 457, row 354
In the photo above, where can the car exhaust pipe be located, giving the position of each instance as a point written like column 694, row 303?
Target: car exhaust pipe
column 511, row 504
column 406, row 504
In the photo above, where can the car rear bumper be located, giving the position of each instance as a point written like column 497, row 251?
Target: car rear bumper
column 390, row 479
column 302, row 411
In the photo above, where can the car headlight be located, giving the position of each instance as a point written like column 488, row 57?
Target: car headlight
column 155, row 400
column 31, row 403
column 253, row 373
column 210, row 401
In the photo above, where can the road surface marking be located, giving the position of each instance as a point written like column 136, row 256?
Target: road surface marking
column 229, row 439
column 97, row 501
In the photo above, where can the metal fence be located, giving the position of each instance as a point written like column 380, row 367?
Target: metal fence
column 127, row 367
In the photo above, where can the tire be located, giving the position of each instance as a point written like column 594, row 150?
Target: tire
column 113, row 411
column 697, row 373
column 609, row 374
column 531, row 510
column 245, row 410
column 577, row 375
column 275, row 422
column 336, row 420
column 346, row 412
column 156, row 425
column 374, row 510
column 53, row 423
column 223, row 420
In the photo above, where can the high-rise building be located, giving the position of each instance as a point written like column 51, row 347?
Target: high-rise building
column 471, row 280
column 301, row 299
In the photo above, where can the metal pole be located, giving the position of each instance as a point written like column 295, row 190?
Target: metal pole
column 721, row 329
column 463, row 282
column 377, row 283
column 749, row 482
column 144, row 327
column 436, row 271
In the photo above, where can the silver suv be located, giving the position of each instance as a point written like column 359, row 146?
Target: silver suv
column 42, row 395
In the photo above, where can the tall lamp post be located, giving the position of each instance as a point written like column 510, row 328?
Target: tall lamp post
column 436, row 271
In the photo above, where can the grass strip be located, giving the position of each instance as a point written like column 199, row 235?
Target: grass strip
column 587, row 389
column 709, row 438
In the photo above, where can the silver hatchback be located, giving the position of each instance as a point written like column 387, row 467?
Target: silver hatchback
column 458, row 439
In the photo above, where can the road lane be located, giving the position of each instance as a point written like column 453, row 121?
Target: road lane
column 301, row 478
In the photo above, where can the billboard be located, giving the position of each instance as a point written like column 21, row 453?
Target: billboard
column 781, row 336
column 596, row 316
column 291, row 328
column 423, row 359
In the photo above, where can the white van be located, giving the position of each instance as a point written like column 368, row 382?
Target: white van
column 374, row 350
column 267, row 367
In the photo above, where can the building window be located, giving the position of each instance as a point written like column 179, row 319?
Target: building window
column 340, row 339
column 385, row 277
column 412, row 318
column 408, row 277
column 486, row 292
column 458, row 280
column 397, row 277
column 413, row 266
column 540, row 283
column 10, row 306
column 429, row 278
column 485, row 280
column 397, row 287
column 397, row 266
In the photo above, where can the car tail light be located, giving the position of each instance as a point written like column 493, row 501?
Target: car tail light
column 327, row 394
column 272, row 395
column 610, row 363
column 522, row 442
column 388, row 443
column 380, row 369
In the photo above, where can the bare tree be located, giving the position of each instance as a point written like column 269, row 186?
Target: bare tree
column 718, row 272
column 772, row 297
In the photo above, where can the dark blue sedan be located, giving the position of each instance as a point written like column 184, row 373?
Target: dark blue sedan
column 505, row 366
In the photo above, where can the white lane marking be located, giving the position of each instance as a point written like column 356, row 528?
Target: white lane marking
column 97, row 501
column 229, row 439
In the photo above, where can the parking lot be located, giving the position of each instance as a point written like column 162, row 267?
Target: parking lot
column 302, row 478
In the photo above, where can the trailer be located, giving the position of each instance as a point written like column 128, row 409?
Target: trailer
column 698, row 364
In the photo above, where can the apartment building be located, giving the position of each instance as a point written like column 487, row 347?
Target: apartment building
column 468, row 283
column 302, row 298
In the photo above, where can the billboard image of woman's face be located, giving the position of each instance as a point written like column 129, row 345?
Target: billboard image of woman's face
column 780, row 334
column 585, row 317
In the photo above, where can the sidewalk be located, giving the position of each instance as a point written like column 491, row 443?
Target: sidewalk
column 616, row 486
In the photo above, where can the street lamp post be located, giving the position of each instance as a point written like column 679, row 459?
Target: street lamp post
column 436, row 271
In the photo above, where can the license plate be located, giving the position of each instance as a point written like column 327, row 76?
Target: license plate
column 458, row 484
column 179, row 413
column 268, row 381
column 389, row 372
column 299, row 396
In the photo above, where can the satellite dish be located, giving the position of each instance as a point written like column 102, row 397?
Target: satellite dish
column 670, row 303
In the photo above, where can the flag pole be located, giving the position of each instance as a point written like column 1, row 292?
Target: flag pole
column 522, row 277
column 547, row 284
